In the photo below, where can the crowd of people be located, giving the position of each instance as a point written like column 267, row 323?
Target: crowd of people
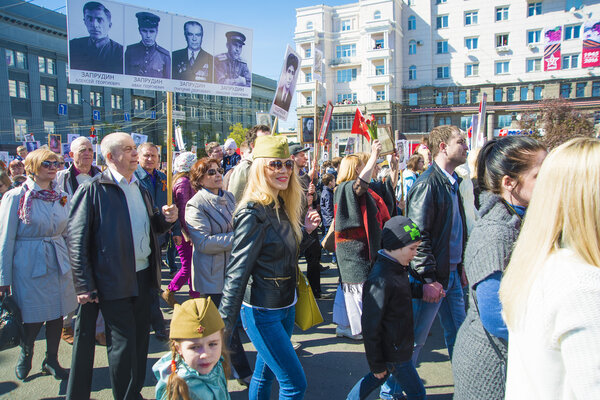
column 516, row 233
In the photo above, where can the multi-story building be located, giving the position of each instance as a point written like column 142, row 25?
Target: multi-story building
column 416, row 64
column 36, row 98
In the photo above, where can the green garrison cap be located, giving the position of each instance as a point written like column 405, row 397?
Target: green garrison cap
column 271, row 147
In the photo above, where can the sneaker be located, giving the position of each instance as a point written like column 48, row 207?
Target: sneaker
column 101, row 339
column 169, row 298
column 68, row 335
column 347, row 333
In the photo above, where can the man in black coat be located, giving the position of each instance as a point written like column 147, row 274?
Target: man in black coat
column 193, row 63
column 147, row 58
column 115, row 257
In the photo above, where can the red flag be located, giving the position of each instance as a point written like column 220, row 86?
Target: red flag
column 359, row 126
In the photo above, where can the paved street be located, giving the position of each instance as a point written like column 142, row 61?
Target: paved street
column 332, row 365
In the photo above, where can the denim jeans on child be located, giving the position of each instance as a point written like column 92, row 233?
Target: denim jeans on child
column 406, row 375
column 270, row 332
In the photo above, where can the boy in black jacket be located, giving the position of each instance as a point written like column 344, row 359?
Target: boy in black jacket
column 387, row 318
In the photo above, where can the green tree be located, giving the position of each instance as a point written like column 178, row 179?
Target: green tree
column 238, row 133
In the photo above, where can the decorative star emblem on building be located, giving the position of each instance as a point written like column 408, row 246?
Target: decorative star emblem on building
column 551, row 62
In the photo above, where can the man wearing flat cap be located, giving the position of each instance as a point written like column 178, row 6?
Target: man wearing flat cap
column 147, row 58
column 193, row 63
column 230, row 69
column 96, row 52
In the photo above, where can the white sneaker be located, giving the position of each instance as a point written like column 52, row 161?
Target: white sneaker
column 347, row 333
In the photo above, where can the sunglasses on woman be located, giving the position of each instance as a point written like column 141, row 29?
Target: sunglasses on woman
column 277, row 165
column 213, row 172
column 48, row 164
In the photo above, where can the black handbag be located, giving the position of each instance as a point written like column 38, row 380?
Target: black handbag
column 11, row 324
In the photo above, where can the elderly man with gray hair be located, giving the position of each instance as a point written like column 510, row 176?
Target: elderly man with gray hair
column 115, row 256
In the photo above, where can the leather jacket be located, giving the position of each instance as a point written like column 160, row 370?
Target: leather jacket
column 387, row 317
column 101, row 243
column 429, row 205
column 263, row 266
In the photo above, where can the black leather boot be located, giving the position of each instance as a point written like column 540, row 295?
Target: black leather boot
column 50, row 366
column 24, row 363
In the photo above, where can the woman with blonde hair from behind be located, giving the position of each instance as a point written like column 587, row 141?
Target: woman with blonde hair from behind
column 551, row 290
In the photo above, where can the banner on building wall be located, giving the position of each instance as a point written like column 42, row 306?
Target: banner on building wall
column 591, row 44
column 552, row 38
column 120, row 45
column 318, row 66
column 286, row 85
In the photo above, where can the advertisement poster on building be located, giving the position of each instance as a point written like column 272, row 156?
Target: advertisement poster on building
column 286, row 84
column 591, row 44
column 552, row 38
column 326, row 121
column 54, row 143
column 186, row 55
column 308, row 130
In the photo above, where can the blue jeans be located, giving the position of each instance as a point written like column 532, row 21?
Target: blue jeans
column 451, row 311
column 404, row 373
column 270, row 332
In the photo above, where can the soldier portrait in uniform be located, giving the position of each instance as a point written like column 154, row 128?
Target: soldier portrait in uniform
column 193, row 63
column 147, row 58
column 96, row 52
column 230, row 69
column 285, row 90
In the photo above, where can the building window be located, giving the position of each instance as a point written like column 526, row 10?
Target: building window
column 572, row 32
column 379, row 44
column 413, row 99
column 47, row 93
column 580, row 89
column 504, row 121
column 510, row 94
column 377, row 15
column 309, row 26
column 498, row 94
column 140, row 104
column 534, row 64
column 412, row 47
column 346, row 98
column 502, row 67
column 342, row 122
column 346, row 25
column 524, row 93
column 534, row 9
column 471, row 69
column 472, row 43
column 307, row 52
column 596, row 89
column 471, row 18
column 48, row 127
column 462, row 97
column 412, row 23
column 308, row 77
column 442, row 47
column 412, row 73
column 445, row 121
column 380, row 119
column 345, row 50
column 410, row 2
column 96, row 99
column 474, row 96
column 380, row 95
column 308, row 100
column 440, row 1
column 379, row 70
column 16, row 59
column 116, row 101
column 570, row 61
column 346, row 75
column 450, row 98
column 565, row 90
column 465, row 122
column 18, row 89
column 413, row 124
column 501, row 13
column 441, row 21
column 20, row 129
column 538, row 92
column 502, row 40
column 534, row 36
column 443, row 72
column 73, row 96
column 439, row 98
column 47, row 65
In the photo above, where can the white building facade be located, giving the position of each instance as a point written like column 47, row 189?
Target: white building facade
column 416, row 64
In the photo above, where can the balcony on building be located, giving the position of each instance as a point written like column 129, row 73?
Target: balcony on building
column 379, row 79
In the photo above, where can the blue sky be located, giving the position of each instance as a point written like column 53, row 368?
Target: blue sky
column 273, row 23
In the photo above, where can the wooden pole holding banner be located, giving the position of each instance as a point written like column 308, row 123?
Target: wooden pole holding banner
column 316, row 147
column 169, row 148
column 274, row 126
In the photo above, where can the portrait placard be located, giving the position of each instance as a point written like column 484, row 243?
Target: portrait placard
column 286, row 85
column 308, row 129
column 384, row 134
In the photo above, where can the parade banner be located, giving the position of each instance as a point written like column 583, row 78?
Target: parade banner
column 120, row 45
column 552, row 38
column 263, row 118
column 326, row 121
column 54, row 143
column 286, row 85
column 66, row 152
column 591, row 44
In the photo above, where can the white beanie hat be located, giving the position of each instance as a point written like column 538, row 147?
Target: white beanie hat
column 230, row 144
column 184, row 161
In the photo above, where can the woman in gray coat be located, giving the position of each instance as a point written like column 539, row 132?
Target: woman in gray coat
column 209, row 219
column 34, row 261
column 506, row 170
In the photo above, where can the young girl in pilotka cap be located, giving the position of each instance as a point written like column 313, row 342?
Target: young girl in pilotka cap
column 195, row 368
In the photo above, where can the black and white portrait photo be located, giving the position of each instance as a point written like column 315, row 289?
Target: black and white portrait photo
column 194, row 62
column 286, row 84
column 308, row 129
column 146, row 57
